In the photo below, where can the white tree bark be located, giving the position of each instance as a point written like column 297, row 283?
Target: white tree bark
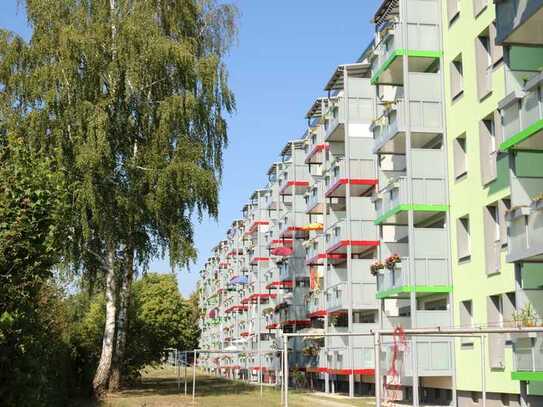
column 103, row 370
column 122, row 322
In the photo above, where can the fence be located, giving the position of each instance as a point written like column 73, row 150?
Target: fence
column 401, row 347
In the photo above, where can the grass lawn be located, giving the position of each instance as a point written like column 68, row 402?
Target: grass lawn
column 159, row 389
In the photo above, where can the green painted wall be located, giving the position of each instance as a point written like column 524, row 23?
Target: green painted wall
column 529, row 163
column 526, row 58
column 469, row 197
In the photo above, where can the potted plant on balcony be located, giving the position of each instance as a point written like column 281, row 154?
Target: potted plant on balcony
column 391, row 261
column 376, row 267
column 525, row 317
column 311, row 350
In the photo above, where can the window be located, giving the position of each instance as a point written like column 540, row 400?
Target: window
column 489, row 140
column 483, row 64
column 479, row 6
column 363, row 317
column 457, row 77
column 460, row 157
column 496, row 342
column 466, row 319
column 463, row 241
column 504, row 206
column 496, row 51
column 453, row 10
column 491, row 223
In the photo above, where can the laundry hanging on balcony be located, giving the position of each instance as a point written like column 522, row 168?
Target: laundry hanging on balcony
column 312, row 226
column 239, row 280
column 282, row 251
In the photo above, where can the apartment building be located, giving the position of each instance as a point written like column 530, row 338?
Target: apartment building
column 414, row 283
column 412, row 200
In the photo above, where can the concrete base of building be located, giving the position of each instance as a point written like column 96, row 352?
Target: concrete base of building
column 428, row 396
column 474, row 399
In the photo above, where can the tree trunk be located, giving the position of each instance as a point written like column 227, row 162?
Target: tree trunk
column 103, row 370
column 122, row 323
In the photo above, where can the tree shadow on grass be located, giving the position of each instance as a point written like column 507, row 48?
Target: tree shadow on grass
column 206, row 386
column 214, row 386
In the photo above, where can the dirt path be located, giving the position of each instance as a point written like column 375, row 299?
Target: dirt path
column 323, row 399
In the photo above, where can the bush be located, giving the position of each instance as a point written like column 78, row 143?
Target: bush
column 35, row 357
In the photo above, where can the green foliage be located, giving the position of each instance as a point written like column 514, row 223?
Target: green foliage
column 31, row 211
column 159, row 319
column 34, row 354
column 130, row 103
column 111, row 136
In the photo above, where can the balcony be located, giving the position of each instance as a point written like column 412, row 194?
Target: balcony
column 339, row 357
column 295, row 315
column 527, row 357
column 422, row 48
column 363, row 296
column 522, row 114
column 316, row 305
column 526, row 233
column 424, row 319
column 291, row 225
column 314, row 252
column 260, row 256
column 294, row 179
column 429, row 196
column 315, row 146
column 434, row 358
column 519, row 22
column 272, row 201
column 360, row 112
column 337, row 342
column 362, row 177
column 253, row 326
column 266, row 346
column 363, row 236
column 258, row 223
column 425, row 111
column 272, row 278
column 314, row 198
column 431, row 274
column 317, row 364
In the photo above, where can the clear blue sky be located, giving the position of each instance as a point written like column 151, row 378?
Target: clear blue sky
column 287, row 51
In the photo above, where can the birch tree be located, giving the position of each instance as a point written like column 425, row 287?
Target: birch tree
column 128, row 98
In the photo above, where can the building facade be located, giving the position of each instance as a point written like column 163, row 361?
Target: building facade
column 414, row 199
